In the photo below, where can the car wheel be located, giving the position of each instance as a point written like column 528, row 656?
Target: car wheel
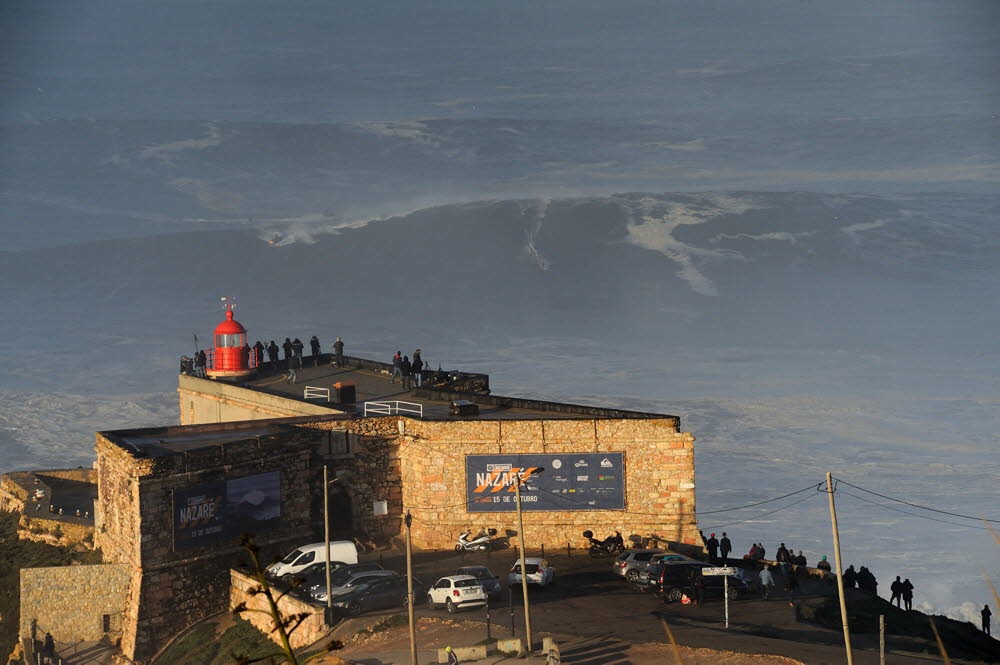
column 450, row 606
column 406, row 599
column 674, row 594
column 632, row 575
column 430, row 602
column 353, row 609
column 458, row 548
column 733, row 593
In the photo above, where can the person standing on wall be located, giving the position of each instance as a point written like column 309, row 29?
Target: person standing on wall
column 784, row 559
column 986, row 614
column 314, row 347
column 725, row 547
column 417, row 366
column 713, row 548
column 272, row 355
column 201, row 362
column 297, row 347
column 897, row 592
column 287, row 347
column 908, row 594
column 258, row 350
column 338, row 350
column 405, row 369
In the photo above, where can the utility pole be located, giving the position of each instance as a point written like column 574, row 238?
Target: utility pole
column 408, row 520
column 881, row 639
column 524, row 570
column 840, row 569
column 326, row 533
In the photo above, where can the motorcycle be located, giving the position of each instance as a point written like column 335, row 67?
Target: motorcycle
column 610, row 546
column 481, row 543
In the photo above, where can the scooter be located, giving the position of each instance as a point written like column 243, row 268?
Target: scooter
column 480, row 543
column 610, row 546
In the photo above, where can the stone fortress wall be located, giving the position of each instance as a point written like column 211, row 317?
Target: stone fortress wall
column 74, row 603
column 169, row 590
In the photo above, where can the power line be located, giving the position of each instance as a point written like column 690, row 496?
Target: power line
column 759, row 503
column 756, row 517
column 907, row 512
column 916, row 505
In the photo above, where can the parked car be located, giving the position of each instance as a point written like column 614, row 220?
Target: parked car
column 632, row 562
column 314, row 576
column 378, row 593
column 652, row 571
column 539, row 572
column 341, row 587
column 674, row 581
column 340, row 550
column 489, row 581
column 456, row 592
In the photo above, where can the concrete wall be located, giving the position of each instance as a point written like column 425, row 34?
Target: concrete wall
column 310, row 630
column 207, row 401
column 169, row 590
column 70, row 601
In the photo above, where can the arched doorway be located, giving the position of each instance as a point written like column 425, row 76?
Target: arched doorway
column 341, row 514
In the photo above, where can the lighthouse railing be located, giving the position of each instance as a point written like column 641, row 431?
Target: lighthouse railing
column 393, row 407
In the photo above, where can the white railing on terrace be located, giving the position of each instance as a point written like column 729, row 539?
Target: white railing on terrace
column 314, row 392
column 394, row 407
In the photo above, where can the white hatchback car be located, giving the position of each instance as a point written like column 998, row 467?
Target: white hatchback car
column 539, row 571
column 456, row 592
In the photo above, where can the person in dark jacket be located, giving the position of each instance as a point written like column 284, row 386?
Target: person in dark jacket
column 784, row 559
column 712, row 545
column 314, row 347
column 800, row 560
column 297, row 347
column 272, row 354
column 824, row 565
column 405, row 369
column 338, row 350
column 49, row 647
column 201, row 362
column 850, row 577
column 397, row 366
column 986, row 614
column 897, row 592
column 258, row 349
column 908, row 594
column 725, row 547
column 416, row 366
column 287, row 347
column 697, row 586
column 245, row 355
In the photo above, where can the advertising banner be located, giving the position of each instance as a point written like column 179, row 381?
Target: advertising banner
column 570, row 481
column 223, row 510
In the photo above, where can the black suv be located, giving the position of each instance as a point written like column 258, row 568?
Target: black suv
column 675, row 581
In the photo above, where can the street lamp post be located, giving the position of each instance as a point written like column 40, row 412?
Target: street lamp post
column 524, row 572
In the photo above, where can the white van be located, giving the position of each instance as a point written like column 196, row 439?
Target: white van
column 340, row 550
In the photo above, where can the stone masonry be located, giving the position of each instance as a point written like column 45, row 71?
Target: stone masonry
column 74, row 603
column 170, row 590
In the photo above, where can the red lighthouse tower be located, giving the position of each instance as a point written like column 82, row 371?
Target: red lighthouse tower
column 231, row 360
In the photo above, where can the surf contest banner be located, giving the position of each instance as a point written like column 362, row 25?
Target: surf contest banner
column 576, row 481
column 226, row 509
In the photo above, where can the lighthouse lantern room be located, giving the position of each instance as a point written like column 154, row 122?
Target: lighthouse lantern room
column 231, row 359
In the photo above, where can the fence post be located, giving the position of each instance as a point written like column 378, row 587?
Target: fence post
column 569, row 552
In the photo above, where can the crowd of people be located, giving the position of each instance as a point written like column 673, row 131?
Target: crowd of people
column 267, row 357
column 409, row 372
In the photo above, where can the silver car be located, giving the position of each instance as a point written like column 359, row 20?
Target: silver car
column 632, row 562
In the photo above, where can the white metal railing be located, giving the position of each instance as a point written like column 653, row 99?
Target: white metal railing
column 314, row 392
column 394, row 407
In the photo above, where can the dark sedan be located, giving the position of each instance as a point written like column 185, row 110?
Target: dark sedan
column 677, row 580
column 379, row 593
column 489, row 581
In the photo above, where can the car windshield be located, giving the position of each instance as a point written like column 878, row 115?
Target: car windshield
column 460, row 583
column 532, row 568
column 292, row 557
